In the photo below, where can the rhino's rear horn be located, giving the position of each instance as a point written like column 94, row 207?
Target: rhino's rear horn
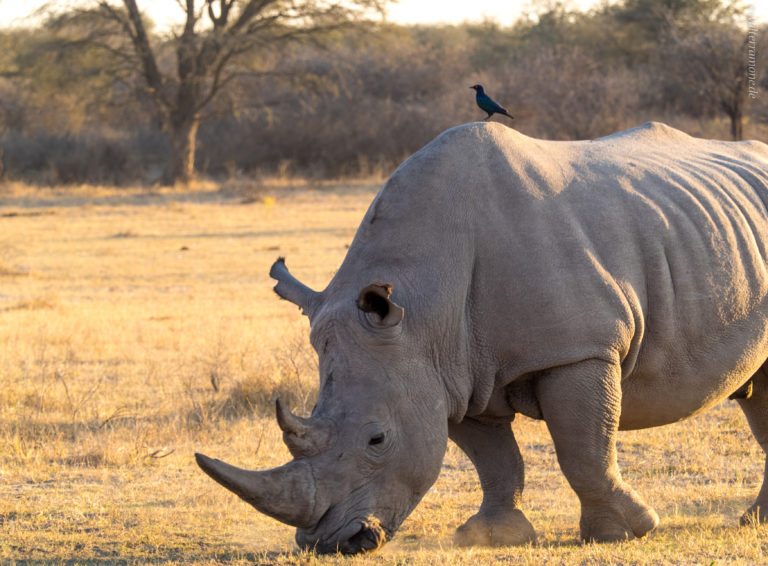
column 293, row 290
column 287, row 493
column 303, row 437
column 288, row 422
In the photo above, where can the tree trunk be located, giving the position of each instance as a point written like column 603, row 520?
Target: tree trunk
column 181, row 161
column 737, row 125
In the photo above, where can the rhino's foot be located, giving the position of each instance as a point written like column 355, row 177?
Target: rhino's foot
column 618, row 522
column 755, row 515
column 501, row 528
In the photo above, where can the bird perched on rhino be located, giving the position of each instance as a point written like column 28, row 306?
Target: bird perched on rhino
column 487, row 104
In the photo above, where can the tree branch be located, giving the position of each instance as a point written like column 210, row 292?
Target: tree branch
column 220, row 21
column 191, row 20
column 143, row 50
column 252, row 9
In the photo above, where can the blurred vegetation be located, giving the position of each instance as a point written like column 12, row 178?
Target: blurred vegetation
column 74, row 107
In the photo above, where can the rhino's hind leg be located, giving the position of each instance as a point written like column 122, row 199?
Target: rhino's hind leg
column 581, row 405
column 493, row 450
column 756, row 410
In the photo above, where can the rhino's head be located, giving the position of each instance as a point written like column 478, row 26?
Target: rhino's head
column 375, row 440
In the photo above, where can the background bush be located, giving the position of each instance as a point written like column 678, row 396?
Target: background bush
column 371, row 95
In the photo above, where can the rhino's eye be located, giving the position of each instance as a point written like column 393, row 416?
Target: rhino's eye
column 378, row 439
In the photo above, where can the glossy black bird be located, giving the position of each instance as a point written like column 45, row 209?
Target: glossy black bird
column 487, row 104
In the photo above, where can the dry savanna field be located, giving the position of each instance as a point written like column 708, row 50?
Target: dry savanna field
column 138, row 327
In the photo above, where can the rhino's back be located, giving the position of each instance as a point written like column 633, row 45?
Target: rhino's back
column 648, row 244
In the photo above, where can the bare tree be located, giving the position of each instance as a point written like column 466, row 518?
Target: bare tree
column 205, row 52
column 709, row 68
column 569, row 94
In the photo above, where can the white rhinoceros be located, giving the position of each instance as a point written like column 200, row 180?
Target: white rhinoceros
column 600, row 285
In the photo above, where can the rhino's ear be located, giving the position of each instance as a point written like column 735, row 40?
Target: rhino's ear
column 374, row 299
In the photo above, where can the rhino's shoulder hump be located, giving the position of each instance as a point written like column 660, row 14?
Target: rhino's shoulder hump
column 494, row 142
column 477, row 135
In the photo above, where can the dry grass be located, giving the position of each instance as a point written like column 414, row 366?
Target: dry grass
column 136, row 328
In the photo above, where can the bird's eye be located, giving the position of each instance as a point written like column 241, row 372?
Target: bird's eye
column 378, row 439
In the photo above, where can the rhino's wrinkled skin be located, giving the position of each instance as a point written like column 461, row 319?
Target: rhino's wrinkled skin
column 600, row 285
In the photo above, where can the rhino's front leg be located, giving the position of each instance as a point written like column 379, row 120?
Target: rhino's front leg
column 581, row 405
column 494, row 453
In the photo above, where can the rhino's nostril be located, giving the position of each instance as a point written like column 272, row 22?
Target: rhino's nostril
column 370, row 537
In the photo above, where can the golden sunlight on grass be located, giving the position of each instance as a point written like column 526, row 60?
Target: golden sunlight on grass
column 137, row 328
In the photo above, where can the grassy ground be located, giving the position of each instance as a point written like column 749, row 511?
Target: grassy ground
column 138, row 328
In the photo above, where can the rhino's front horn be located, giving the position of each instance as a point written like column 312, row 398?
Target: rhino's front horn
column 287, row 493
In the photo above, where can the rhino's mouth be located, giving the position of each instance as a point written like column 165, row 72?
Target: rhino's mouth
column 362, row 535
